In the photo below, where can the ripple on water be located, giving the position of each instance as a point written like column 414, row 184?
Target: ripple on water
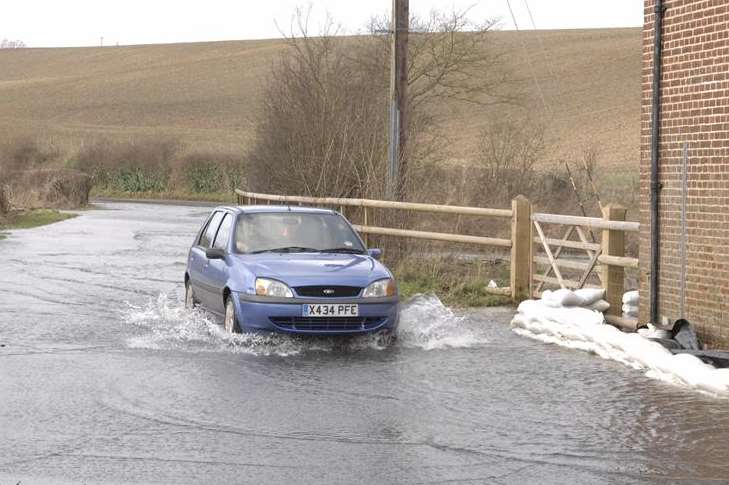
column 164, row 323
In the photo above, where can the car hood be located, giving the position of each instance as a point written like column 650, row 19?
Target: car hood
column 302, row 269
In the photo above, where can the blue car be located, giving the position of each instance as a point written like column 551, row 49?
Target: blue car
column 287, row 269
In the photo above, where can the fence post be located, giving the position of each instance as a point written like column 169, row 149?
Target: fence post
column 366, row 223
column 521, row 248
column 613, row 244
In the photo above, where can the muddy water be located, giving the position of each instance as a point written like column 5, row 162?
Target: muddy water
column 104, row 378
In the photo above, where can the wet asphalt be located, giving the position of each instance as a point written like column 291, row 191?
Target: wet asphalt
column 105, row 378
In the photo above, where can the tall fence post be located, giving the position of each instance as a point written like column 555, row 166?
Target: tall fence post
column 521, row 248
column 366, row 222
column 613, row 244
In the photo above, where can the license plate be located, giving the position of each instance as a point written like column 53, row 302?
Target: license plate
column 331, row 310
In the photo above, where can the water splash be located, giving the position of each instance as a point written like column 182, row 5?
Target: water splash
column 167, row 324
column 427, row 324
column 164, row 323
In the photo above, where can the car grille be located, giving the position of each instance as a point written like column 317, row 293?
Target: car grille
column 328, row 291
column 328, row 324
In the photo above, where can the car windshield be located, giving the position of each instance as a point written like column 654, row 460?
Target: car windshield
column 295, row 232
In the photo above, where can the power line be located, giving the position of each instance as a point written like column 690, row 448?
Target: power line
column 539, row 39
column 513, row 17
column 528, row 59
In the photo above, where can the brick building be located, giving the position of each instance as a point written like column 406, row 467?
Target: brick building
column 693, row 167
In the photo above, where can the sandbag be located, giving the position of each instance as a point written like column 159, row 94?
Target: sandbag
column 631, row 297
column 590, row 295
column 630, row 309
column 650, row 331
column 563, row 297
column 600, row 305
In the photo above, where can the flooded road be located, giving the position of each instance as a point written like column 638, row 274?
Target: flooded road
column 105, row 378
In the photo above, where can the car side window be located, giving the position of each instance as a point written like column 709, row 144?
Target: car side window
column 209, row 234
column 221, row 240
column 201, row 234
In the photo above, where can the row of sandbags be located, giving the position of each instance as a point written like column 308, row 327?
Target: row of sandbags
column 564, row 318
column 592, row 299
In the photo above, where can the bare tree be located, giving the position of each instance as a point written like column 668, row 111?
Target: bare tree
column 320, row 128
column 12, row 44
column 507, row 158
column 324, row 124
column 451, row 57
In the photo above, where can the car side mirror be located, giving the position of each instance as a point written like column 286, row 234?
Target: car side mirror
column 375, row 253
column 214, row 253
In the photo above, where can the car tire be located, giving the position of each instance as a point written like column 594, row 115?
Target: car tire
column 231, row 319
column 190, row 302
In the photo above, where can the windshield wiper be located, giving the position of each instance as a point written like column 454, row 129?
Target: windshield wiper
column 342, row 250
column 287, row 249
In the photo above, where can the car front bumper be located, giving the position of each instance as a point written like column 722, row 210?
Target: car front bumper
column 284, row 315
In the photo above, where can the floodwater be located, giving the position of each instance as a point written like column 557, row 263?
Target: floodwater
column 105, row 378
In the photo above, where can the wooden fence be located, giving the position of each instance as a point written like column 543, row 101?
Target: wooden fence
column 604, row 259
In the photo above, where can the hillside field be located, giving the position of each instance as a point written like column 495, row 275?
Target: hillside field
column 207, row 94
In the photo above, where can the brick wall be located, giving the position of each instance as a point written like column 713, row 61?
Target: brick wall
column 695, row 110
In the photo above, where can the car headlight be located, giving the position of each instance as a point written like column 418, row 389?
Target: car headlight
column 266, row 287
column 381, row 288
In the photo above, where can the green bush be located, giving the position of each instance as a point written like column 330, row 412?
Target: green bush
column 204, row 178
column 135, row 166
column 137, row 179
column 155, row 166
column 211, row 172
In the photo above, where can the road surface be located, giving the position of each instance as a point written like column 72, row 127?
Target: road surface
column 105, row 378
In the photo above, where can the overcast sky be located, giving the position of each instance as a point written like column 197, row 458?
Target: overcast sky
column 42, row 23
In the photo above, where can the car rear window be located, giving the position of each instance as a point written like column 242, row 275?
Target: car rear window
column 318, row 231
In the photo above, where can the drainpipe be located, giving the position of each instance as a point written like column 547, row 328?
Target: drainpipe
column 655, row 135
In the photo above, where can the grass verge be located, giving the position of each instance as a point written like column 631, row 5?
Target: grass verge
column 27, row 219
column 457, row 283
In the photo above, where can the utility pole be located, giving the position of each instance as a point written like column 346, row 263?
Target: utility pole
column 397, row 157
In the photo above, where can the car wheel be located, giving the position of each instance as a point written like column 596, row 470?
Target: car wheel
column 190, row 302
column 231, row 320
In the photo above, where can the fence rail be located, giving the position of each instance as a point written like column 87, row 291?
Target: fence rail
column 375, row 204
column 588, row 222
column 605, row 258
column 365, row 204
column 435, row 236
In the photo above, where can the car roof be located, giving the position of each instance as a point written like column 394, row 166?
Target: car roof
column 258, row 209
